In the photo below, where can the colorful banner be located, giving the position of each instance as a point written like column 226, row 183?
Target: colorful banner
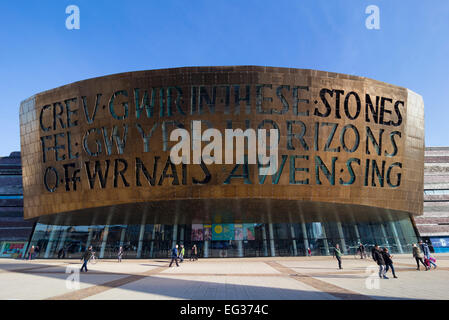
column 223, row 231
column 207, row 232
column 12, row 249
column 197, row 232
column 249, row 233
column 440, row 245
column 238, row 232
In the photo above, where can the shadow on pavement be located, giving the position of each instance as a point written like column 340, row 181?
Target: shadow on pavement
column 162, row 286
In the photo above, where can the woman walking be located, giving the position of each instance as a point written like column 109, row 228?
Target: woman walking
column 120, row 254
column 388, row 259
column 417, row 254
column 31, row 253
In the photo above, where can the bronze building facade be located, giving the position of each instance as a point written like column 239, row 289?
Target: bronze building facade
column 97, row 169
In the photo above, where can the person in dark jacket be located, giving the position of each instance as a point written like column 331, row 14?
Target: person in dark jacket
column 361, row 250
column 61, row 253
column 174, row 256
column 338, row 255
column 424, row 248
column 86, row 256
column 194, row 253
column 378, row 257
column 388, row 259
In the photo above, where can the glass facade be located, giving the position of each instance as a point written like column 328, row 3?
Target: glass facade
column 222, row 239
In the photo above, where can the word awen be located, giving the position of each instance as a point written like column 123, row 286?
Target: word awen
column 212, row 153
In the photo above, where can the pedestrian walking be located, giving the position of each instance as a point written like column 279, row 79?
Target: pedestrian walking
column 181, row 253
column 174, row 256
column 388, row 259
column 338, row 255
column 31, row 253
column 120, row 254
column 361, row 250
column 418, row 255
column 86, row 256
column 194, row 253
column 309, row 252
column 426, row 251
column 378, row 257
column 61, row 253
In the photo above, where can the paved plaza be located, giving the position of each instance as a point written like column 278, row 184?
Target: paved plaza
column 272, row 278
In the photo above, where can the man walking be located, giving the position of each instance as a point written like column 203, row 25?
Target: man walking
column 86, row 256
column 174, row 256
column 338, row 255
column 61, row 253
column 378, row 257
column 388, row 258
column 362, row 250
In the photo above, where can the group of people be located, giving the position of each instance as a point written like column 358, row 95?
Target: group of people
column 179, row 254
column 175, row 255
column 384, row 259
column 421, row 254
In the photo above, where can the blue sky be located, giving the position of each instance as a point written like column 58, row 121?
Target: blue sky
column 38, row 53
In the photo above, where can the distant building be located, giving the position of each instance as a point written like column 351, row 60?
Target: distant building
column 433, row 225
column 14, row 231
